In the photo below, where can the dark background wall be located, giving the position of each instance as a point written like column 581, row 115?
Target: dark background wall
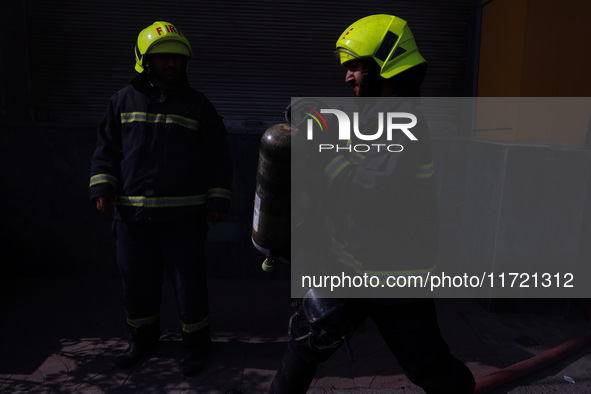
column 67, row 58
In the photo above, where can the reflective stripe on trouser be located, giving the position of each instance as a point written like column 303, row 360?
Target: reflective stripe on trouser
column 195, row 327
column 142, row 321
column 144, row 249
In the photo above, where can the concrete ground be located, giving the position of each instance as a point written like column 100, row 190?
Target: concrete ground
column 60, row 335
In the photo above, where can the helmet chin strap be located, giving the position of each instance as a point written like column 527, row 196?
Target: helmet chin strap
column 149, row 74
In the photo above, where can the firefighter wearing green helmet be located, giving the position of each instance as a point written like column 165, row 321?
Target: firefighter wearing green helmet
column 385, row 39
column 381, row 52
column 162, row 161
column 160, row 37
column 378, row 198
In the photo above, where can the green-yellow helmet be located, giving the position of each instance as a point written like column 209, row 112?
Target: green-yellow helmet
column 384, row 38
column 160, row 37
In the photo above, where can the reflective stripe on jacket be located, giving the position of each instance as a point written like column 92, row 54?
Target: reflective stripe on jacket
column 161, row 156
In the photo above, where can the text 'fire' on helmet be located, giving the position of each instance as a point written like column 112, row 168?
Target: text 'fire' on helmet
column 160, row 37
column 386, row 39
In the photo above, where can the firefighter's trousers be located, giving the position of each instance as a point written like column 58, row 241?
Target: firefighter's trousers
column 144, row 251
column 410, row 330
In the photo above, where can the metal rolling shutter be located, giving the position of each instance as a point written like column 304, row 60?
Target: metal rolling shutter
column 250, row 57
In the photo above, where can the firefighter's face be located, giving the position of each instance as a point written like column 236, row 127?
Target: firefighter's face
column 168, row 67
column 363, row 79
column 354, row 76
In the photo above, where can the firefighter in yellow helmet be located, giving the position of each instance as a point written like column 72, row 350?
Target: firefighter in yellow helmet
column 162, row 161
column 382, row 57
column 163, row 38
column 370, row 200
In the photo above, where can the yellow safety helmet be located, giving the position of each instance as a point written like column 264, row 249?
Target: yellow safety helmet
column 386, row 39
column 160, row 37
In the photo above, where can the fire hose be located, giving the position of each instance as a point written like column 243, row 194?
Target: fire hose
column 537, row 362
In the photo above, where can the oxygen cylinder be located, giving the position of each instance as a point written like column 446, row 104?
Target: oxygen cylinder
column 272, row 200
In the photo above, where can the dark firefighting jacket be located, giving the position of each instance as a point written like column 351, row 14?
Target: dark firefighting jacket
column 382, row 206
column 161, row 156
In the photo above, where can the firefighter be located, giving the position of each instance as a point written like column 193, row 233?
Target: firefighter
column 374, row 198
column 162, row 162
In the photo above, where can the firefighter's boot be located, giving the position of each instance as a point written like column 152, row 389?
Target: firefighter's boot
column 141, row 341
column 296, row 373
column 198, row 350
